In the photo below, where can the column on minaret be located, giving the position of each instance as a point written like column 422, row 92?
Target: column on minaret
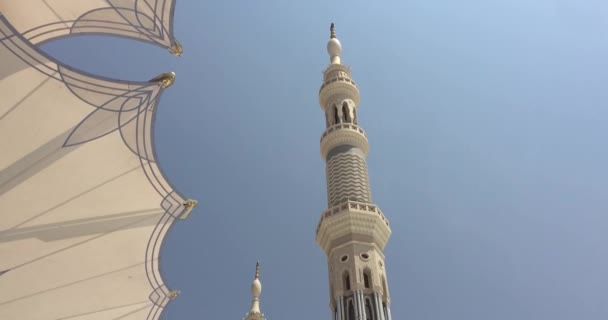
column 256, row 290
column 352, row 231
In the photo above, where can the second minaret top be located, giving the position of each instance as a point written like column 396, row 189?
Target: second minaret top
column 256, row 290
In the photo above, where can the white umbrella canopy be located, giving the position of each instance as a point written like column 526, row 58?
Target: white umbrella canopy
column 84, row 206
column 145, row 20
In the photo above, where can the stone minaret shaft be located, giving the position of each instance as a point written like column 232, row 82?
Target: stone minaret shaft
column 352, row 231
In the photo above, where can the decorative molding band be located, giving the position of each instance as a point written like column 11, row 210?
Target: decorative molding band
column 343, row 87
column 352, row 218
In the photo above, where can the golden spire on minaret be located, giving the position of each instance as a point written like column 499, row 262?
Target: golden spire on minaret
column 332, row 31
column 257, row 270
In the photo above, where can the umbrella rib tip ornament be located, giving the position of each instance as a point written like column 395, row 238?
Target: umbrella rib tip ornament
column 174, row 294
column 188, row 206
column 166, row 79
column 176, row 49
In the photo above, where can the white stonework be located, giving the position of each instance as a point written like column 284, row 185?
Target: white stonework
column 43, row 20
column 343, row 134
column 347, row 178
column 352, row 231
column 357, row 220
column 84, row 204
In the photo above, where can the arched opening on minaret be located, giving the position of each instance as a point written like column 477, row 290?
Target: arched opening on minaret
column 384, row 289
column 384, row 310
column 366, row 278
column 345, row 112
column 350, row 313
column 336, row 117
column 346, row 278
column 369, row 315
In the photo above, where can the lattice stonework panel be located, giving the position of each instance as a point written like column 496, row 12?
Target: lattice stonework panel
column 347, row 179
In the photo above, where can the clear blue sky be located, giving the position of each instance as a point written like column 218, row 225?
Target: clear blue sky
column 487, row 125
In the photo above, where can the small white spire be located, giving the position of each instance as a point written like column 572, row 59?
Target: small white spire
column 334, row 48
column 256, row 291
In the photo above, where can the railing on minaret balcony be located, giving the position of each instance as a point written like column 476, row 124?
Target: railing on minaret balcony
column 360, row 206
column 341, row 79
column 345, row 126
column 343, row 134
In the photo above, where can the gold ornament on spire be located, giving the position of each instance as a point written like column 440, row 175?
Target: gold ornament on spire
column 332, row 31
column 174, row 294
column 257, row 270
column 176, row 49
column 165, row 79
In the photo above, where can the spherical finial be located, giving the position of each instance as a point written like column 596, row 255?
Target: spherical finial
column 256, row 285
column 334, row 48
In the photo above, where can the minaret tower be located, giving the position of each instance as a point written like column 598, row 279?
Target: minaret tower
column 256, row 290
column 352, row 231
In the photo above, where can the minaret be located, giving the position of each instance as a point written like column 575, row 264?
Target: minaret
column 256, row 289
column 352, row 231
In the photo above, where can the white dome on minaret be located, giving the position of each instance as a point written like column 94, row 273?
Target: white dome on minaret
column 334, row 47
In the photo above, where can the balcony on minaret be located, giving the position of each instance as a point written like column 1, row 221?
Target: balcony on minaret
column 350, row 218
column 343, row 134
column 337, row 73
column 339, row 96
